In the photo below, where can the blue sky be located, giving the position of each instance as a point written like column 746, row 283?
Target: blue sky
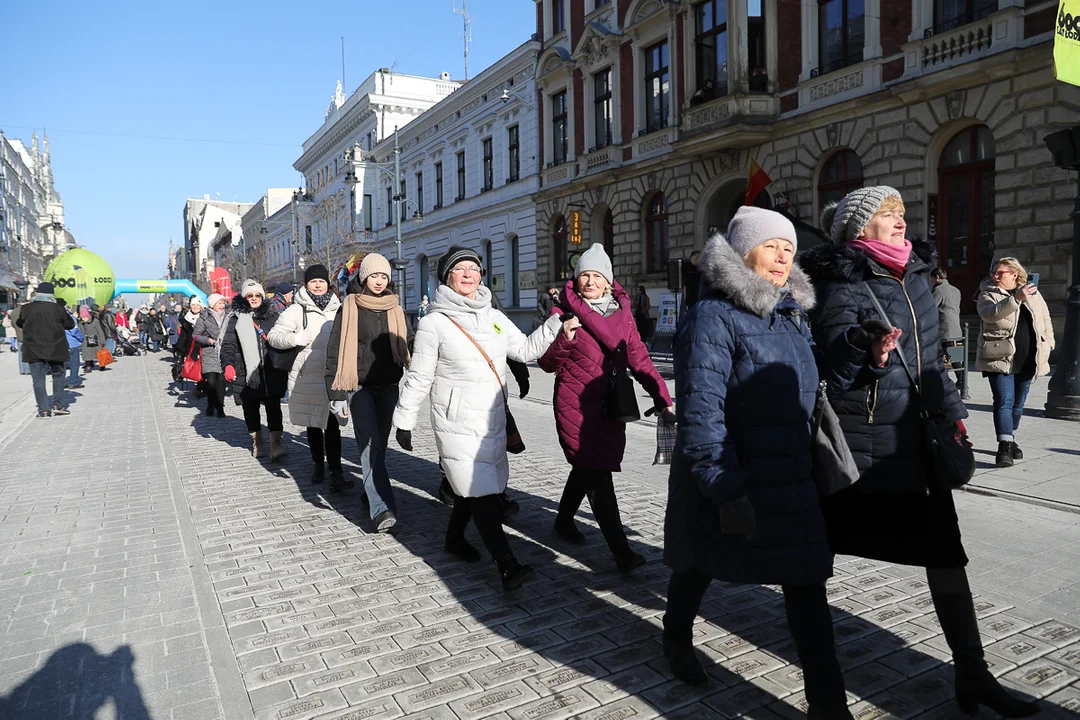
column 257, row 75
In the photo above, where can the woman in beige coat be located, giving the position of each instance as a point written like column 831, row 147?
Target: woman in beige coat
column 1014, row 347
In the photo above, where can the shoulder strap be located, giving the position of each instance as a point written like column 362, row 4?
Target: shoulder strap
column 899, row 350
column 477, row 345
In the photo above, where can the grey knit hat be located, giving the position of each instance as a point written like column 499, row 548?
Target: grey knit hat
column 752, row 226
column 595, row 260
column 843, row 221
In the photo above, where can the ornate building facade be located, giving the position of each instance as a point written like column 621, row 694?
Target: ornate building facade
column 652, row 112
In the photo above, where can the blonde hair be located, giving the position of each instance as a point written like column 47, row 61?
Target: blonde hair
column 1014, row 265
column 890, row 203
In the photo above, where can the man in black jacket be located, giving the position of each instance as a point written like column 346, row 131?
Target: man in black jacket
column 45, row 347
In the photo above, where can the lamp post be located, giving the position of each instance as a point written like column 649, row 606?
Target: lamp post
column 1063, row 399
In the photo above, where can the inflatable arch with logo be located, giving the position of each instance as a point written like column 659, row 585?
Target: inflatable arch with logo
column 81, row 277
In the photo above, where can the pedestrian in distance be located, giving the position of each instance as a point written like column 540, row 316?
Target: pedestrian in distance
column 947, row 298
column 642, row 306
column 75, row 342
column 208, row 333
column 742, row 502
column 7, row 331
column 305, row 326
column 153, row 328
column 422, row 308
column 171, row 318
column 185, row 344
column 1015, row 343
column 93, row 336
column 584, row 361
column 366, row 356
column 247, row 367
column 459, row 363
column 545, row 303
column 898, row 512
column 108, row 325
column 45, row 348
column 283, row 297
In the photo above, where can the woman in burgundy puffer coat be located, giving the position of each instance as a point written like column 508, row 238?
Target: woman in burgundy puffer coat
column 583, row 362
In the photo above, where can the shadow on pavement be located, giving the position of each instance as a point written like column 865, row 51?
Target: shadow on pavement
column 77, row 682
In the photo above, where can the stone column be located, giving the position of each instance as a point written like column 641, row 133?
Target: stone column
column 738, row 52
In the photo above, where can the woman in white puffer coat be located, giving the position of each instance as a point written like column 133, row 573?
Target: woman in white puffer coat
column 468, row 401
column 306, row 324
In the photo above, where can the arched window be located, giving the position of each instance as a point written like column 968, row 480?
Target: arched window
column 559, row 237
column 841, row 174
column 609, row 234
column 425, row 278
column 966, row 209
column 656, row 234
column 515, row 268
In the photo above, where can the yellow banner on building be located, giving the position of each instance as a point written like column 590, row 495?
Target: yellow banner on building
column 1067, row 42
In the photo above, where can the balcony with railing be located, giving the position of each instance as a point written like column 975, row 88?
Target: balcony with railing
column 962, row 39
column 729, row 120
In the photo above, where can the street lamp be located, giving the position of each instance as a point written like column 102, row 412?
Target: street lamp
column 1063, row 399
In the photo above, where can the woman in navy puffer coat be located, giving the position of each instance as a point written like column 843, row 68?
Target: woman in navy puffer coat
column 742, row 502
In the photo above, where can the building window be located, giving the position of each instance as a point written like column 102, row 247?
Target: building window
column 558, row 16
column 368, row 219
column 602, row 107
column 966, row 182
column 425, row 278
column 461, row 175
column 950, row 14
column 841, row 174
column 307, row 237
column 755, row 44
column 515, row 268
column 609, row 233
column 656, row 234
column 420, row 192
column 438, row 185
column 657, row 87
column 402, row 205
column 559, row 239
column 559, row 135
column 489, row 166
column 514, row 144
column 389, row 206
column 711, row 49
column 840, row 34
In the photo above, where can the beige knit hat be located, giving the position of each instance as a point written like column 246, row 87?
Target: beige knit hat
column 371, row 264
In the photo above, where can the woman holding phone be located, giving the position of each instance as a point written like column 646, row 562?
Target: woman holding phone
column 1014, row 347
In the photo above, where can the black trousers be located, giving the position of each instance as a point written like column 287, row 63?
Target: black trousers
column 251, row 405
column 808, row 619
column 486, row 513
column 215, row 390
column 326, row 443
column 599, row 487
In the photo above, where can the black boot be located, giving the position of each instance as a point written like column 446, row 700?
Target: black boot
column 684, row 663
column 318, row 475
column 1004, row 456
column 572, row 495
column 456, row 544
column 1015, row 451
column 513, row 573
column 462, row 549
column 509, row 507
column 568, row 531
column 629, row 561
column 829, row 712
column 446, row 492
column 209, row 409
column 975, row 685
column 339, row 479
column 685, row 592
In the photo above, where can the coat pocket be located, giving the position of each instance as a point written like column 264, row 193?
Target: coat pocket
column 452, row 405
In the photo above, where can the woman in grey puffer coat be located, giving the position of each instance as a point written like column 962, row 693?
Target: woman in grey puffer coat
column 207, row 334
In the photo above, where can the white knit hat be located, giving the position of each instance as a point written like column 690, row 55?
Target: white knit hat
column 213, row 300
column 249, row 286
column 752, row 226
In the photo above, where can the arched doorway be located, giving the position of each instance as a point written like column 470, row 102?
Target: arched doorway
column 726, row 201
column 966, row 210
column 424, row 278
column 841, row 173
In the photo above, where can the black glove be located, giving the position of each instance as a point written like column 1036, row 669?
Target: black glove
column 523, row 386
column 404, row 439
column 867, row 333
column 737, row 518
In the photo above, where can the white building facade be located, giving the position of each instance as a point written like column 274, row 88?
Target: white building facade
column 32, row 228
column 205, row 221
column 469, row 167
column 341, row 206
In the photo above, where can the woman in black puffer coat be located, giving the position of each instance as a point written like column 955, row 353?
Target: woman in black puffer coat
column 894, row 513
column 246, row 365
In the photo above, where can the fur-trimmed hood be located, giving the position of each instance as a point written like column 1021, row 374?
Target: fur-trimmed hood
column 723, row 270
column 843, row 263
column 239, row 305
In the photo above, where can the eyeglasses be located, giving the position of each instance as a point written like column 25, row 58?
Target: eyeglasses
column 465, row 270
column 999, row 273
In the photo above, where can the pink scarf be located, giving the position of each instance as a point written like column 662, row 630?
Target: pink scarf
column 893, row 257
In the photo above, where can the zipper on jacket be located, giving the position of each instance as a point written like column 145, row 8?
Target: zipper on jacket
column 871, row 401
column 914, row 325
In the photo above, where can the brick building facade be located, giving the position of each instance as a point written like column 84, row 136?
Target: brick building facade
column 946, row 100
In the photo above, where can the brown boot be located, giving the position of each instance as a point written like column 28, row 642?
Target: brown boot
column 277, row 449
column 258, row 449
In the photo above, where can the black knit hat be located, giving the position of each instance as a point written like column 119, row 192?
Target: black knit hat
column 45, row 288
column 316, row 272
column 453, row 256
column 284, row 287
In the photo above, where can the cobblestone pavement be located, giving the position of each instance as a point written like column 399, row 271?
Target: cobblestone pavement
column 207, row 584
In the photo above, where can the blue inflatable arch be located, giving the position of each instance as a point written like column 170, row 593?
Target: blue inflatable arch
column 158, row 287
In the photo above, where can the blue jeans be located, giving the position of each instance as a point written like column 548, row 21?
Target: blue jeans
column 38, row 371
column 14, row 342
column 1010, row 393
column 73, row 367
column 372, row 410
column 110, row 345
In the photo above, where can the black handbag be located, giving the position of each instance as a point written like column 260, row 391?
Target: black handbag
column 284, row 359
column 950, row 459
column 620, row 401
column 833, row 464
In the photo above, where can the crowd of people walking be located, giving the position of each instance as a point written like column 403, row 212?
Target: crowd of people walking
column 768, row 351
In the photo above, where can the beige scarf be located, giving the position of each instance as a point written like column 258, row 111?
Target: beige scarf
column 346, row 378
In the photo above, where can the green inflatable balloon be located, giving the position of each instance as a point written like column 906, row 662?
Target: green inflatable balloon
column 81, row 278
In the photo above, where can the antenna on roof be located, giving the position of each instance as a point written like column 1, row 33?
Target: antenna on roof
column 467, row 34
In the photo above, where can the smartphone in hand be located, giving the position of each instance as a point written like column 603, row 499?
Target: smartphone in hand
column 1033, row 279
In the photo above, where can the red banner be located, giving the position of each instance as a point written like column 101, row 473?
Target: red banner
column 221, row 283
